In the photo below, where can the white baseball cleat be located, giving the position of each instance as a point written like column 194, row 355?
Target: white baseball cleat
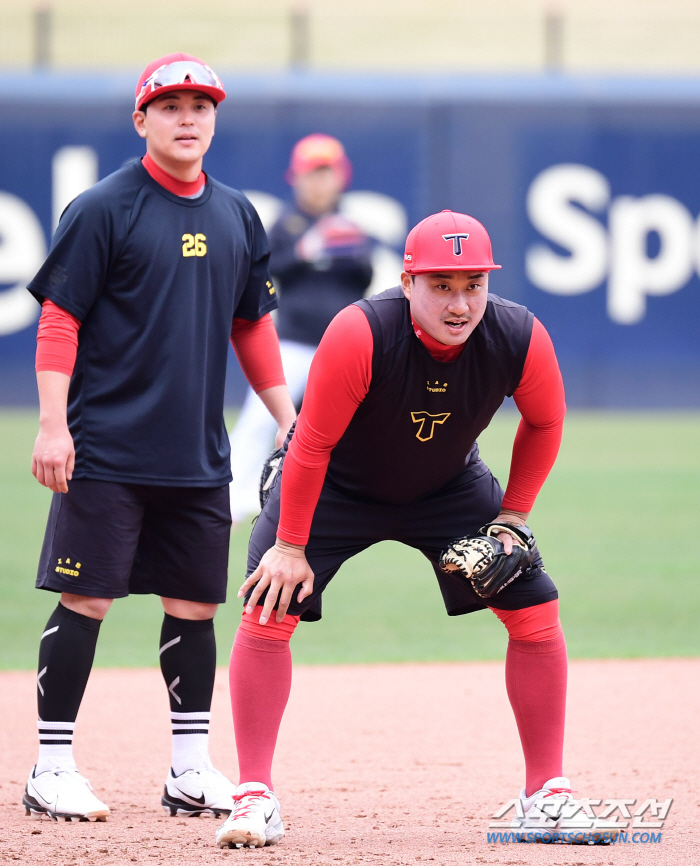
column 550, row 816
column 63, row 795
column 198, row 792
column 254, row 821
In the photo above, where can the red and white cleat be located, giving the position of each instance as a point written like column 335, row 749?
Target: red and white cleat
column 254, row 820
column 553, row 815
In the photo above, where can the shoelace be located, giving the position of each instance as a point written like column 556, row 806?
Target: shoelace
column 76, row 776
column 241, row 809
column 552, row 792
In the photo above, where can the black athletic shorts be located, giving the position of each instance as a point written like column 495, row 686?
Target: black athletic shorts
column 344, row 526
column 107, row 540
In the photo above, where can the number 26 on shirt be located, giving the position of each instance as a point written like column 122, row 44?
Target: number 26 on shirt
column 194, row 245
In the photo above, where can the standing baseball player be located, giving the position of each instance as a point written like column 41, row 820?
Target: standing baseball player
column 320, row 262
column 150, row 273
column 385, row 447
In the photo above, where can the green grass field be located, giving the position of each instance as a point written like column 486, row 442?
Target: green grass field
column 615, row 523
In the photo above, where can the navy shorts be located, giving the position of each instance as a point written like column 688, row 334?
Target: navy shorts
column 107, row 540
column 344, row 526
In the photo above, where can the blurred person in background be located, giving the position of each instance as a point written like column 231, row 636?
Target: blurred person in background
column 320, row 263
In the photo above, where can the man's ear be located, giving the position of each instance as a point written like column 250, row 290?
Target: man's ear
column 139, row 118
column 406, row 284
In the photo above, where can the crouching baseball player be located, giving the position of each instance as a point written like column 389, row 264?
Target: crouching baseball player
column 385, row 447
column 150, row 273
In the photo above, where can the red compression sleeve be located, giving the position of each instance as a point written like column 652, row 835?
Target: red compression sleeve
column 258, row 351
column 540, row 400
column 272, row 630
column 338, row 382
column 537, row 623
column 260, row 677
column 56, row 340
column 536, row 674
column 536, row 669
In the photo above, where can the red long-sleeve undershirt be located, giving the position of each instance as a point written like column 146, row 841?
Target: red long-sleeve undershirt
column 338, row 382
column 56, row 340
column 255, row 343
column 171, row 183
column 258, row 351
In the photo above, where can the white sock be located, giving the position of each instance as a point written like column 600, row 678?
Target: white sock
column 190, row 742
column 55, row 746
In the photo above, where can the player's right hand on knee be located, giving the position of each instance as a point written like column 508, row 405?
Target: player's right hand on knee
column 53, row 459
column 282, row 568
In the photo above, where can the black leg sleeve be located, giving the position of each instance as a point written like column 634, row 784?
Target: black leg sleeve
column 188, row 663
column 66, row 653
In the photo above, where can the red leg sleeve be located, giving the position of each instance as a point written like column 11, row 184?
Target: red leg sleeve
column 536, row 673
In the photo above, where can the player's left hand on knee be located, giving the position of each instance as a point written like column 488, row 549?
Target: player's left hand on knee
column 281, row 570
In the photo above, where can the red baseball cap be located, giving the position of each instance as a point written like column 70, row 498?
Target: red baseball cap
column 315, row 151
column 448, row 241
column 177, row 72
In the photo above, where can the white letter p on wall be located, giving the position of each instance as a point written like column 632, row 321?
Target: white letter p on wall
column 633, row 274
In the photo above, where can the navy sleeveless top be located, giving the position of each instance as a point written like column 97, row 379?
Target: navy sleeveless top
column 417, row 427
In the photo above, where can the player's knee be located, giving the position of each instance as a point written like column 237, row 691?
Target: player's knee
column 537, row 623
column 182, row 609
column 272, row 630
column 95, row 608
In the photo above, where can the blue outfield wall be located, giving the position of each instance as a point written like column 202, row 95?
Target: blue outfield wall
column 589, row 187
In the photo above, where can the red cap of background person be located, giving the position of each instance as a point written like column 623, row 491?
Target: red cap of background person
column 316, row 151
column 448, row 241
column 212, row 87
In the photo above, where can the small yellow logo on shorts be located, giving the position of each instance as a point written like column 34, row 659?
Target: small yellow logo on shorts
column 73, row 572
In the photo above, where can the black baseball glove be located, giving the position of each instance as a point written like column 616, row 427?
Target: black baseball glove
column 271, row 469
column 483, row 561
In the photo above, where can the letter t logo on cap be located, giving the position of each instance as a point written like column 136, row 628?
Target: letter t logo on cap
column 456, row 241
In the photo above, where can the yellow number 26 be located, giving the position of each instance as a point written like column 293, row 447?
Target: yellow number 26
column 194, row 245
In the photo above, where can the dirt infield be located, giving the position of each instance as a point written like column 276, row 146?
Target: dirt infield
column 383, row 764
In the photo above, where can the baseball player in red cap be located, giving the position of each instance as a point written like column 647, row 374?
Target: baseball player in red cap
column 385, row 447
column 320, row 262
column 150, row 274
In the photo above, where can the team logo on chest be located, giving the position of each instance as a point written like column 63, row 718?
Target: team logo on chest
column 427, row 423
column 436, row 387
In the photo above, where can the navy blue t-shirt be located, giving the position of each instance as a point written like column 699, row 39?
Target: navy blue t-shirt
column 155, row 279
column 430, row 413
